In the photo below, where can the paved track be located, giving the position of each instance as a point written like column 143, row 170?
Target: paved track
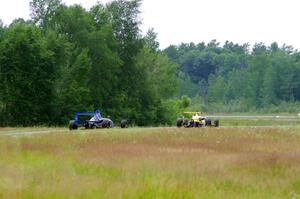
column 254, row 116
column 22, row 132
column 15, row 132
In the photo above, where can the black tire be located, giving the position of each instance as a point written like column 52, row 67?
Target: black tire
column 124, row 124
column 185, row 123
column 216, row 123
column 86, row 125
column 179, row 122
column 72, row 125
column 107, row 124
column 104, row 124
column 207, row 122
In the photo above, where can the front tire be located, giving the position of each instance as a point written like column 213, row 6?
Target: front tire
column 216, row 123
column 124, row 124
column 179, row 122
column 185, row 123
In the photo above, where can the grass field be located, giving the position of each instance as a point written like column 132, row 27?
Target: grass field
column 226, row 162
column 263, row 121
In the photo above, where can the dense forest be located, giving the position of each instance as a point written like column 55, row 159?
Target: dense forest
column 235, row 78
column 66, row 59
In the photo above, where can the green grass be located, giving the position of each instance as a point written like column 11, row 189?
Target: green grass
column 150, row 163
column 263, row 122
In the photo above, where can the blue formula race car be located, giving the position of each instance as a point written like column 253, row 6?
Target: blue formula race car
column 90, row 120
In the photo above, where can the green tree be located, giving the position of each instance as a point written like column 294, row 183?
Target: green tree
column 104, row 80
column 2, row 29
column 75, row 23
column 186, row 101
column 217, row 89
column 42, row 11
column 186, row 85
column 157, row 84
column 151, row 40
column 27, row 75
column 269, row 87
column 286, row 70
column 73, row 92
column 125, row 21
column 80, row 28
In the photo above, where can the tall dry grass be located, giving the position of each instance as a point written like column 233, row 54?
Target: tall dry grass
column 152, row 163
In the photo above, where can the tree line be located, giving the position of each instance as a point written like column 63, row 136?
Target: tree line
column 67, row 59
column 237, row 78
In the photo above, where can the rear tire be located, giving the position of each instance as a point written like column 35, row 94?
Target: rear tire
column 73, row 125
column 104, row 124
column 107, row 124
column 124, row 124
column 216, row 123
column 207, row 122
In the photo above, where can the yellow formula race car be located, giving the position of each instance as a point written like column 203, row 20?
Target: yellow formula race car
column 195, row 119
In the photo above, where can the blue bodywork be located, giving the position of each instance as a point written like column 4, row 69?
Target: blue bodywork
column 95, row 121
column 81, row 122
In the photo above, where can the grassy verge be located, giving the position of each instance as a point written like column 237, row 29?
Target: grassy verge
column 151, row 163
column 270, row 122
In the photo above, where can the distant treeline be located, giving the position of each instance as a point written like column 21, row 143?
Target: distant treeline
column 236, row 78
column 66, row 59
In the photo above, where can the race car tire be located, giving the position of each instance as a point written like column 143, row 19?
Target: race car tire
column 72, row 125
column 107, row 123
column 124, row 124
column 179, row 122
column 207, row 122
column 216, row 123
column 185, row 123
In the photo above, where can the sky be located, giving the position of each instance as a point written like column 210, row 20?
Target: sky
column 185, row 21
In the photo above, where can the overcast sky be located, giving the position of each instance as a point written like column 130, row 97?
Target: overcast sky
column 178, row 21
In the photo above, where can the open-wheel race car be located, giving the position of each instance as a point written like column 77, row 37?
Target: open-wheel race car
column 91, row 120
column 195, row 119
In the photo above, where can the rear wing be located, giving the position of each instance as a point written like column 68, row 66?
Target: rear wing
column 76, row 114
column 192, row 112
column 91, row 114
